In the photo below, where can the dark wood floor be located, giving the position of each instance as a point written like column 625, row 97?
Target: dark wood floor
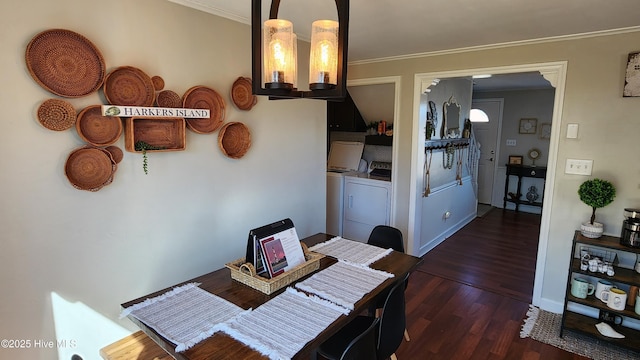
column 469, row 297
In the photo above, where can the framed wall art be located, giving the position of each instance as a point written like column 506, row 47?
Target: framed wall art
column 528, row 126
column 632, row 76
column 545, row 131
column 515, row 159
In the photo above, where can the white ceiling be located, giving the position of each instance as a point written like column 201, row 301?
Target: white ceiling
column 390, row 28
column 380, row 29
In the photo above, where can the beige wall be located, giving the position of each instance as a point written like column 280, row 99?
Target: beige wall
column 190, row 215
column 593, row 99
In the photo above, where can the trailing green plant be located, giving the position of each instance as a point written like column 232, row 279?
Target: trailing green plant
column 596, row 193
column 144, row 146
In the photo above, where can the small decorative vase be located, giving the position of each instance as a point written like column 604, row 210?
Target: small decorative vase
column 592, row 231
column 532, row 195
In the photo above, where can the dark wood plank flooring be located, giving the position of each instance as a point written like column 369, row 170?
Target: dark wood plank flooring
column 469, row 297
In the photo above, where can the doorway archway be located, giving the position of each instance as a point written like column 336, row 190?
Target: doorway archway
column 555, row 73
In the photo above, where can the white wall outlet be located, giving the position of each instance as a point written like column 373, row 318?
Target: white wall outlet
column 511, row 142
column 578, row 167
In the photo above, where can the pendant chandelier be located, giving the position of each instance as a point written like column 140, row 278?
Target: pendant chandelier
column 274, row 55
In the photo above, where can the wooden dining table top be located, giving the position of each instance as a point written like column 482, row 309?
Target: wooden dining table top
column 219, row 282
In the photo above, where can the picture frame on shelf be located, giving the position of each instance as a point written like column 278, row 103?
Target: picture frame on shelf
column 528, row 126
column 515, row 159
column 545, row 131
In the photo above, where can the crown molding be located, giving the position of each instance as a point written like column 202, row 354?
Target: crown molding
column 204, row 6
column 500, row 45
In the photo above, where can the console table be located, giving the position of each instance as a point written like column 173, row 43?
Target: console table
column 523, row 171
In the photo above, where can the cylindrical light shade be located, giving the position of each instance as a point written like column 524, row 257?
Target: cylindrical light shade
column 295, row 61
column 279, row 58
column 323, row 60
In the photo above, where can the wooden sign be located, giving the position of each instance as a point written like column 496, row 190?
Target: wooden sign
column 154, row 112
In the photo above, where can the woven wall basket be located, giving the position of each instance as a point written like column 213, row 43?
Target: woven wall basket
column 242, row 94
column 56, row 114
column 234, row 139
column 116, row 153
column 202, row 97
column 129, row 86
column 168, row 99
column 65, row 63
column 89, row 168
column 96, row 129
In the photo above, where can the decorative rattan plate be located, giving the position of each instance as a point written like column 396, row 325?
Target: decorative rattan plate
column 169, row 99
column 65, row 63
column 55, row 114
column 158, row 82
column 116, row 153
column 96, row 129
column 166, row 134
column 242, row 94
column 129, row 86
column 234, row 139
column 202, row 97
column 89, row 168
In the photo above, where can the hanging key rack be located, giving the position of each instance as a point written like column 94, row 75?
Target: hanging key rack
column 455, row 145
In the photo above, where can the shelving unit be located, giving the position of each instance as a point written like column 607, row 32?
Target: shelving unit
column 521, row 172
column 574, row 321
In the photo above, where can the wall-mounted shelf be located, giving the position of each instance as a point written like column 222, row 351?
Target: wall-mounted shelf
column 443, row 143
column 378, row 140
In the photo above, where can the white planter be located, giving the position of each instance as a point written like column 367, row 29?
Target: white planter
column 593, row 231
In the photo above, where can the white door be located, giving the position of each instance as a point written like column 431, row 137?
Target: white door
column 486, row 134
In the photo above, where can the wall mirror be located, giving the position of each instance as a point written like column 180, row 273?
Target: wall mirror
column 451, row 119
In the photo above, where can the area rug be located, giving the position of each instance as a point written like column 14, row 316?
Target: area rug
column 544, row 326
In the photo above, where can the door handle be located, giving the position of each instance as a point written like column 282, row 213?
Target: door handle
column 350, row 201
column 490, row 159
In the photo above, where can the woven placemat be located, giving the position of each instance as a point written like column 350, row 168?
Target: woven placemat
column 544, row 326
column 351, row 251
column 96, row 129
column 56, row 114
column 65, row 63
column 128, row 85
column 202, row 97
column 234, row 139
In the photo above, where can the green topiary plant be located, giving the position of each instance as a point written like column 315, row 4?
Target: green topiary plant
column 596, row 193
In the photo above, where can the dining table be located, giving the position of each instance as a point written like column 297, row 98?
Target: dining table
column 219, row 282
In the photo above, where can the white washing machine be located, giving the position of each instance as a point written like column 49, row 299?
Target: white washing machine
column 345, row 158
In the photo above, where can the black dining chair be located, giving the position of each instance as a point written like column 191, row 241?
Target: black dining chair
column 388, row 237
column 390, row 329
column 363, row 346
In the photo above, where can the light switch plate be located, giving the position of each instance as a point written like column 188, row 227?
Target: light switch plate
column 578, row 167
column 572, row 131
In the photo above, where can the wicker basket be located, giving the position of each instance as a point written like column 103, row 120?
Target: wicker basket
column 65, row 63
column 234, row 140
column 202, row 97
column 56, row 114
column 246, row 273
